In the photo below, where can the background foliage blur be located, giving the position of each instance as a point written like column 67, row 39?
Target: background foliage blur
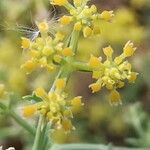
column 98, row 122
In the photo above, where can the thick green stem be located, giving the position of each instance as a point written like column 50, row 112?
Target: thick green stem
column 65, row 69
column 37, row 142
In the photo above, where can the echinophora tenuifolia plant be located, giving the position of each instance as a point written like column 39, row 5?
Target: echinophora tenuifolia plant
column 57, row 51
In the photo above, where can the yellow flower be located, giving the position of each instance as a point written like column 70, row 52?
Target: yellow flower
column 47, row 51
column 43, row 62
column 95, row 87
column 65, row 20
column 78, row 26
column 108, row 51
column 57, row 58
column 29, row 111
column 59, row 2
column 55, row 106
column 129, row 49
column 50, row 67
column 43, row 27
column 40, row 92
column 76, row 102
column 60, row 83
column 93, row 9
column 94, row 61
column 107, row 15
column 112, row 73
column 87, row 31
column 115, row 98
column 68, row 113
column 34, row 53
column 97, row 74
column 59, row 36
column 67, row 125
column 67, row 52
column 25, row 43
column 29, row 66
column 132, row 77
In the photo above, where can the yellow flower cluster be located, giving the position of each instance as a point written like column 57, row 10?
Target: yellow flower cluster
column 55, row 106
column 44, row 50
column 112, row 73
column 83, row 17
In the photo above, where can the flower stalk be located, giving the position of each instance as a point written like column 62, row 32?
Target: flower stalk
column 18, row 119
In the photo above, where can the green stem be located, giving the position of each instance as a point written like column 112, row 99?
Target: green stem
column 68, row 6
column 58, row 75
column 22, row 122
column 66, row 69
column 81, row 66
column 74, row 40
column 19, row 120
column 38, row 140
column 44, row 137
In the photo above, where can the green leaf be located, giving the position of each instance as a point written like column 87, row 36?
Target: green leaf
column 32, row 98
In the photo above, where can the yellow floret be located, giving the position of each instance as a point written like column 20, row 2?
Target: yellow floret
column 50, row 67
column 128, row 50
column 43, row 27
column 78, row 26
column 87, row 31
column 57, row 58
column 106, row 15
column 29, row 66
column 43, row 62
column 60, row 83
column 59, row 36
column 68, row 113
column 29, row 111
column 25, row 43
column 108, row 51
column 76, row 103
column 115, row 98
column 94, row 61
column 97, row 74
column 34, row 53
column 60, row 2
column 47, row 51
column 93, row 9
column 95, row 87
column 40, row 92
column 67, row 52
column 67, row 125
column 86, row 12
column 132, row 77
column 65, row 20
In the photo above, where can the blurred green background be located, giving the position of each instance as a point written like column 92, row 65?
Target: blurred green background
column 98, row 122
